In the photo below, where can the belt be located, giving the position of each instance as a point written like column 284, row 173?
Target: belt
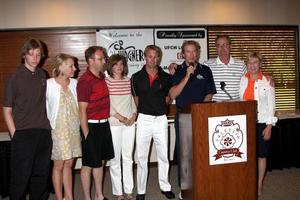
column 151, row 116
column 97, row 121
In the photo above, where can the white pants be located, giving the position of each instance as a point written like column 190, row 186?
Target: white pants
column 123, row 141
column 149, row 127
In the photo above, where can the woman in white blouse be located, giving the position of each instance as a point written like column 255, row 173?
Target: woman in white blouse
column 255, row 86
column 62, row 112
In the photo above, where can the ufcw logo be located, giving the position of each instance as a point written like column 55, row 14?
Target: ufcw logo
column 130, row 53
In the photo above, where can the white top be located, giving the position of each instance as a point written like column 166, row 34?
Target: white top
column 121, row 100
column 53, row 96
column 264, row 94
column 231, row 74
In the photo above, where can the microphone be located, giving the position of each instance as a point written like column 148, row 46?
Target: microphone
column 192, row 74
column 223, row 84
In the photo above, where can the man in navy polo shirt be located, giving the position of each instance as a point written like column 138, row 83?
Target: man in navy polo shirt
column 192, row 83
column 150, row 88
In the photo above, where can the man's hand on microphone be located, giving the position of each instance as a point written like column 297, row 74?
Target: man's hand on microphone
column 190, row 70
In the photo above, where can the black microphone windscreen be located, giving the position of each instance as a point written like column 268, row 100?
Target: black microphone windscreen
column 223, row 84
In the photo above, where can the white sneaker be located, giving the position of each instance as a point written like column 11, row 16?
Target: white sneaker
column 179, row 195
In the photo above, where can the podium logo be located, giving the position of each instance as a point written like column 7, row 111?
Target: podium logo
column 227, row 139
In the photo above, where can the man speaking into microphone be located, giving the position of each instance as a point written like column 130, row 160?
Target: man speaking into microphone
column 191, row 83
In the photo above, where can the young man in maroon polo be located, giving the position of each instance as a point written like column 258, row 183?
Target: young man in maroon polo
column 93, row 100
column 24, row 109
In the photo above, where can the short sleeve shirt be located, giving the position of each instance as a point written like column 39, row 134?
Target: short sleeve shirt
column 25, row 93
column 93, row 90
column 152, row 98
column 231, row 74
column 200, row 84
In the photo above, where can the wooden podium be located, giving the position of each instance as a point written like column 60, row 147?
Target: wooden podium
column 199, row 179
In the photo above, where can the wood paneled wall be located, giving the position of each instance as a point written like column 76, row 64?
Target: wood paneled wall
column 72, row 42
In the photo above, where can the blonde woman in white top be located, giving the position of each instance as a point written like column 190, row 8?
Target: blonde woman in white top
column 123, row 115
column 62, row 112
column 255, row 86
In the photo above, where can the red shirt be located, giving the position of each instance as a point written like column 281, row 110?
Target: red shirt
column 94, row 91
column 152, row 79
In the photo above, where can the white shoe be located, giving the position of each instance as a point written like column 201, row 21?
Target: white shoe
column 179, row 196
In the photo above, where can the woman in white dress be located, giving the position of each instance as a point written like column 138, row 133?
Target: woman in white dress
column 62, row 112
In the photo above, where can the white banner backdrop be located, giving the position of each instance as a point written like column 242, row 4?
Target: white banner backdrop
column 170, row 41
column 227, row 139
column 132, row 42
column 127, row 42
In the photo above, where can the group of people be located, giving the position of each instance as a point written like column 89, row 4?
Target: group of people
column 196, row 83
column 61, row 118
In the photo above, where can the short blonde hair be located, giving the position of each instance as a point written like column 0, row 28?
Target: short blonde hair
column 114, row 59
column 155, row 48
column 191, row 42
column 254, row 54
column 59, row 60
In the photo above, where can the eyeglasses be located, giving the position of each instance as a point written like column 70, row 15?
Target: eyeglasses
column 101, row 59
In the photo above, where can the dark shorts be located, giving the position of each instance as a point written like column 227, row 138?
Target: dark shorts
column 262, row 145
column 98, row 145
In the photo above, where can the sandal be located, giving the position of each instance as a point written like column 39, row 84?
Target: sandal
column 129, row 197
column 121, row 197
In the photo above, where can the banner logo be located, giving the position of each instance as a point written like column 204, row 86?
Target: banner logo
column 131, row 53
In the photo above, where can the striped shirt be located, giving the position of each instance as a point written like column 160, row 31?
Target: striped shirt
column 121, row 100
column 231, row 74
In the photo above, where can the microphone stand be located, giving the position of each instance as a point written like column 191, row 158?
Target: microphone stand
column 223, row 84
